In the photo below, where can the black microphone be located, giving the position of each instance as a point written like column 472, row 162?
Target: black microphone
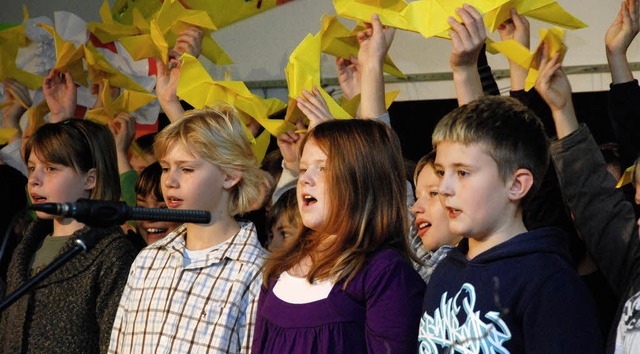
column 100, row 213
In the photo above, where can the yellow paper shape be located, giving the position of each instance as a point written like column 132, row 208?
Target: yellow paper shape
column 11, row 39
column 516, row 52
column 68, row 57
column 36, row 117
column 99, row 69
column 351, row 106
column 338, row 41
column 109, row 30
column 627, row 176
column 544, row 10
column 6, row 134
column 9, row 69
column 128, row 101
column 303, row 73
column 427, row 17
column 197, row 88
column 165, row 26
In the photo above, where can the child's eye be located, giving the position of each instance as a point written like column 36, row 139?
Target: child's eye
column 439, row 173
column 186, row 170
column 303, row 170
column 433, row 194
column 285, row 234
column 51, row 168
column 463, row 173
column 321, row 168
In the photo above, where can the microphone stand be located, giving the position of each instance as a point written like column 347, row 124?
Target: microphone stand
column 82, row 243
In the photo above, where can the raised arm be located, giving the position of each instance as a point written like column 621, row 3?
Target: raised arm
column 516, row 28
column 605, row 220
column 618, row 38
column 467, row 39
column 553, row 86
column 167, row 87
column 375, row 42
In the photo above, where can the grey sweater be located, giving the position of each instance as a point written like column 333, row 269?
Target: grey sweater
column 71, row 311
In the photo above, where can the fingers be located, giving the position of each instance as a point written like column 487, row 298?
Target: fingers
column 314, row 107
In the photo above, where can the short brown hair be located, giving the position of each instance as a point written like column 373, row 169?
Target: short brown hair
column 80, row 145
column 507, row 130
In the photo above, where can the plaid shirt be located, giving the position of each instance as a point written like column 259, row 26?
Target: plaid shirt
column 208, row 306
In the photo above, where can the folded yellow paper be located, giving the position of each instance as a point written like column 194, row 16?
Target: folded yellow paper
column 338, row 41
column 68, row 57
column 544, row 10
column 128, row 102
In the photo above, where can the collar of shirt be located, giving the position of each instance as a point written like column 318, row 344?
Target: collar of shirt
column 242, row 247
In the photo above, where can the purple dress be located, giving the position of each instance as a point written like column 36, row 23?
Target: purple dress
column 378, row 312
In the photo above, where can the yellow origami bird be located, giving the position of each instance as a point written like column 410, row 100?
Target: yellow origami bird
column 303, row 73
column 544, row 10
column 68, row 57
column 99, row 68
column 164, row 28
column 427, row 17
column 128, row 101
column 197, row 88
column 520, row 55
column 338, row 41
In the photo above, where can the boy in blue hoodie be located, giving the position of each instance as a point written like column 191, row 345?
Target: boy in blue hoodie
column 504, row 288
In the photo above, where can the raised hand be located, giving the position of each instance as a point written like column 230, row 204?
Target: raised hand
column 313, row 105
column 375, row 42
column 516, row 28
column 124, row 130
column 289, row 145
column 467, row 40
column 618, row 38
column 467, row 37
column 167, row 88
column 349, row 76
column 553, row 86
column 624, row 28
column 189, row 41
column 61, row 95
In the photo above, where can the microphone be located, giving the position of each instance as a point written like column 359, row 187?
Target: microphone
column 100, row 213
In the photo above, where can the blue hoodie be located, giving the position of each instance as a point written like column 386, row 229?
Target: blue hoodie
column 522, row 295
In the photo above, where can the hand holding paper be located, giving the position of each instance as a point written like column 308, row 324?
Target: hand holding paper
column 338, row 41
column 68, row 57
column 544, row 10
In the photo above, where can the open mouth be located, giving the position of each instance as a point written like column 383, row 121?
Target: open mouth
column 308, row 200
column 156, row 231
column 37, row 199
column 454, row 212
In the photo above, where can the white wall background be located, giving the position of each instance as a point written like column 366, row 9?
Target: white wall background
column 260, row 46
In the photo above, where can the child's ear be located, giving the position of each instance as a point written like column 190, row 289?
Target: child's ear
column 90, row 179
column 230, row 181
column 521, row 183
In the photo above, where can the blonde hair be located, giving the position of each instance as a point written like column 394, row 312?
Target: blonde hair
column 218, row 136
column 507, row 130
